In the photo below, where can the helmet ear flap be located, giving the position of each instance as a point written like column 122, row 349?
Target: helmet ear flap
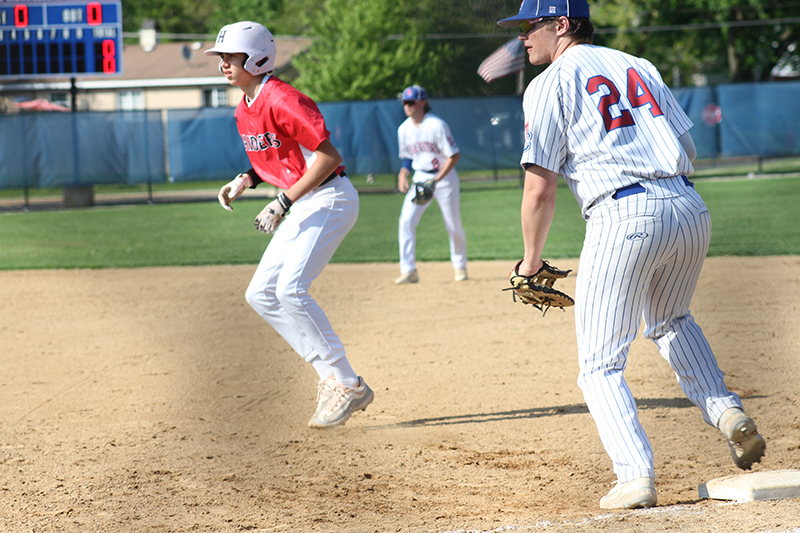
column 257, row 66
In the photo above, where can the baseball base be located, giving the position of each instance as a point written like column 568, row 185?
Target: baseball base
column 774, row 485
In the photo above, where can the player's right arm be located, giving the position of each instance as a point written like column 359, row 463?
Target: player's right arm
column 402, row 176
column 233, row 189
column 538, row 207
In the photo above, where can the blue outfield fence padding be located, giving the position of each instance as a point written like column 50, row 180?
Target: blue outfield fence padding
column 203, row 144
column 40, row 150
column 489, row 130
column 365, row 134
column 133, row 147
column 760, row 119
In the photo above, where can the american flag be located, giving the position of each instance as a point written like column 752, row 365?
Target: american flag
column 507, row 59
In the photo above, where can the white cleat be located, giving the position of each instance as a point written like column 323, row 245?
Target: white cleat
column 408, row 277
column 342, row 403
column 324, row 392
column 636, row 493
column 461, row 274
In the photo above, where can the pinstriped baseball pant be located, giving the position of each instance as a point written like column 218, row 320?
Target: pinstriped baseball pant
column 641, row 260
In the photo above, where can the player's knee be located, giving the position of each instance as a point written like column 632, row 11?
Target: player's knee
column 408, row 226
column 254, row 297
column 289, row 297
column 259, row 298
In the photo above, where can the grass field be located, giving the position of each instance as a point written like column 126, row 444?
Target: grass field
column 749, row 217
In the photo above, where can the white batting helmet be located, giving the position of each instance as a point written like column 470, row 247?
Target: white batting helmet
column 249, row 38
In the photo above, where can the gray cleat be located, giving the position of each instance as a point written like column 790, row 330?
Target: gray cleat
column 747, row 446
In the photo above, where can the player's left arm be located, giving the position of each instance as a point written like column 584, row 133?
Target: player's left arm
column 678, row 119
column 327, row 160
column 449, row 148
column 449, row 165
column 536, row 213
column 302, row 121
column 688, row 145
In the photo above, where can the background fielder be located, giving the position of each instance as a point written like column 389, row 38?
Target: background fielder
column 289, row 146
column 608, row 123
column 427, row 147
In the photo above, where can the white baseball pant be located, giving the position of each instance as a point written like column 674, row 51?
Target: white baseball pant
column 299, row 250
column 447, row 195
column 641, row 258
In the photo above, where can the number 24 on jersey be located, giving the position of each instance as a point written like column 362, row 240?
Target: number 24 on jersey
column 638, row 95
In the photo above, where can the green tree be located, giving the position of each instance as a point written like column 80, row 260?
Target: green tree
column 371, row 49
column 171, row 16
column 281, row 18
column 725, row 39
column 363, row 50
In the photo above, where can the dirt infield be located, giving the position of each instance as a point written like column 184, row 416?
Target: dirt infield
column 156, row 400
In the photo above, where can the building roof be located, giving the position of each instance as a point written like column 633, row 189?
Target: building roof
column 187, row 60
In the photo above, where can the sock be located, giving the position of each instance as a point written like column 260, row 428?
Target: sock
column 344, row 373
column 322, row 367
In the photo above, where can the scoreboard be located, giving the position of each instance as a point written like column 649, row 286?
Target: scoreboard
column 60, row 38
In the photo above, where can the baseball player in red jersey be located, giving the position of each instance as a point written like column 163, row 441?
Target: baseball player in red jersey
column 606, row 121
column 289, row 147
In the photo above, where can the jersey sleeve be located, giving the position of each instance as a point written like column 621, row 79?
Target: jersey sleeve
column 545, row 142
column 301, row 120
column 446, row 141
column 674, row 113
column 676, row 116
column 401, row 142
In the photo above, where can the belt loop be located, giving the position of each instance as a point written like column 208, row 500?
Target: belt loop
column 687, row 182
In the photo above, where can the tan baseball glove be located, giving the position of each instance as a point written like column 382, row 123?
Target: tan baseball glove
column 537, row 289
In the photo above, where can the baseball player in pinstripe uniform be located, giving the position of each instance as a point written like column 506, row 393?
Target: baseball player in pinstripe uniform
column 606, row 121
column 428, row 149
column 289, row 147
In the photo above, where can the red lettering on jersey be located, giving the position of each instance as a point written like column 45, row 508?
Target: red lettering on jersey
column 639, row 94
column 423, row 146
column 607, row 101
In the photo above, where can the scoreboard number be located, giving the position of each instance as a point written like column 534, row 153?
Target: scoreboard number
column 60, row 38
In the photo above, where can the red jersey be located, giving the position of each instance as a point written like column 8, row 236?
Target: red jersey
column 280, row 130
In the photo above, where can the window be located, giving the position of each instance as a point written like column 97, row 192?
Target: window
column 61, row 99
column 130, row 100
column 215, row 97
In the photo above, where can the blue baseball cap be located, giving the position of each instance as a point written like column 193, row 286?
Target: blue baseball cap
column 534, row 9
column 413, row 92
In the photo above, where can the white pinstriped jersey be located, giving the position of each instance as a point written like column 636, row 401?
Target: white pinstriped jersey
column 604, row 119
column 428, row 146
